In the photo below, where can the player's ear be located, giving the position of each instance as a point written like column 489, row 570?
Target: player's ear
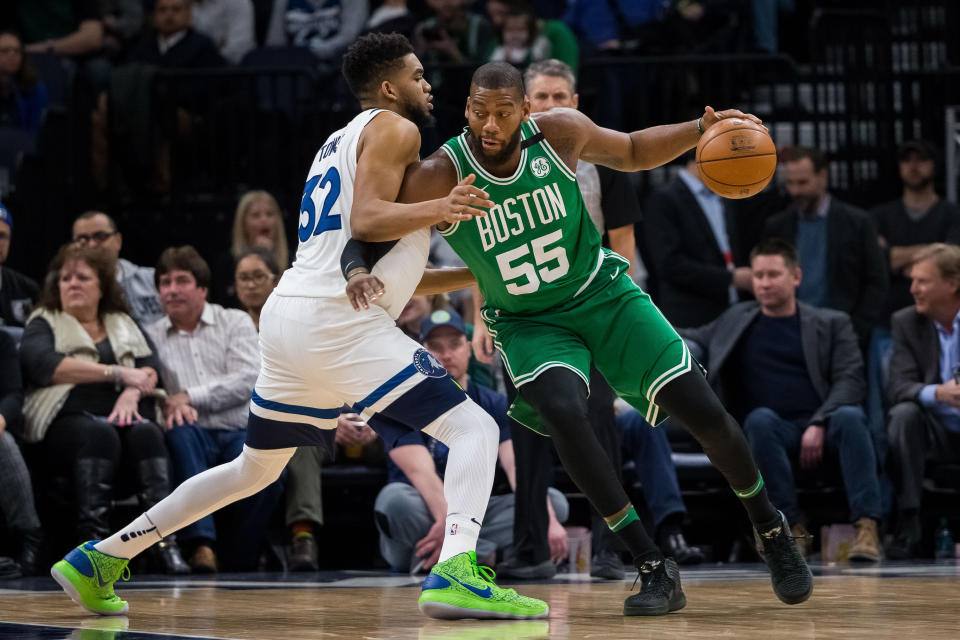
column 466, row 109
column 525, row 109
column 387, row 89
column 576, row 101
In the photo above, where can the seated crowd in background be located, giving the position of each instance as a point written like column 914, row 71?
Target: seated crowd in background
column 129, row 372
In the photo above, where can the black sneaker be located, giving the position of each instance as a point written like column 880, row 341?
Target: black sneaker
column 607, row 565
column 660, row 591
column 791, row 577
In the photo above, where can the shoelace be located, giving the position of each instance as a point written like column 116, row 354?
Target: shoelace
column 489, row 575
column 651, row 568
column 784, row 540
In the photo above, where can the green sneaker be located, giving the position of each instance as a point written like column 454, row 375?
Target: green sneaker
column 87, row 576
column 457, row 588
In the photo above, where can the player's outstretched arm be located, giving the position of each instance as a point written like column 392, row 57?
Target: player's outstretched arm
column 436, row 281
column 637, row 151
column 387, row 146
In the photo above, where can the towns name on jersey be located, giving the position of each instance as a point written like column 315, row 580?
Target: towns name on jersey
column 519, row 213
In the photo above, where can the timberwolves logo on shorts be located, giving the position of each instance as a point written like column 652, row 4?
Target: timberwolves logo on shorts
column 540, row 167
column 428, row 365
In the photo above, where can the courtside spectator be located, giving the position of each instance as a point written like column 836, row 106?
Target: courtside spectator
column 755, row 351
column 97, row 230
column 563, row 44
column 905, row 227
column 411, row 510
column 923, row 388
column 326, row 27
column 210, row 360
column 90, row 375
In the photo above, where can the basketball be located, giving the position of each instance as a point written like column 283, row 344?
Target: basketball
column 736, row 158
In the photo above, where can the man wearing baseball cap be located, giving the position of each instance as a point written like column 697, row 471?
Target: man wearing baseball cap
column 17, row 291
column 410, row 512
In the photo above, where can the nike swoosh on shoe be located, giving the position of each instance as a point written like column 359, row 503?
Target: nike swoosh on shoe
column 486, row 592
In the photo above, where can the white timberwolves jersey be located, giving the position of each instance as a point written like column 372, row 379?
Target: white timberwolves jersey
column 325, row 228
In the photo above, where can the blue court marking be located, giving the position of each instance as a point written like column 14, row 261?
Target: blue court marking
column 327, row 414
column 386, row 388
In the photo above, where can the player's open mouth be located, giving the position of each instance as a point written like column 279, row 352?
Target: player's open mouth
column 489, row 143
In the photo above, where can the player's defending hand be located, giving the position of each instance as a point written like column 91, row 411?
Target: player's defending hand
column 363, row 289
column 482, row 343
column 463, row 201
column 711, row 117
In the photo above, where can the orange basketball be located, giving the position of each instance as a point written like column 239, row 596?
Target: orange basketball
column 736, row 158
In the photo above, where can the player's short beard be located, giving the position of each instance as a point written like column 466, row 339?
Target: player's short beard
column 418, row 113
column 501, row 156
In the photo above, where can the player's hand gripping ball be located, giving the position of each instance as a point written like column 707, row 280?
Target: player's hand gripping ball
column 736, row 158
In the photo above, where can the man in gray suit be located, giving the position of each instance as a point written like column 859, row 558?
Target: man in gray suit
column 796, row 372
column 923, row 387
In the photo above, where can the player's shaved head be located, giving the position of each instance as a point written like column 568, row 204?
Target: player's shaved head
column 498, row 75
column 371, row 59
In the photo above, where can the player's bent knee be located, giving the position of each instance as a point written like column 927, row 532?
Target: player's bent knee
column 261, row 467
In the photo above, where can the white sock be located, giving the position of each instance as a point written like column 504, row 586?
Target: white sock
column 462, row 535
column 473, row 438
column 134, row 538
column 197, row 497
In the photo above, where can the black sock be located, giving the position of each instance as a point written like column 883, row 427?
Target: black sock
column 691, row 401
column 560, row 397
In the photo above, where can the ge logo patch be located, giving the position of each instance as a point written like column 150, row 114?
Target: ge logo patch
column 540, row 167
column 428, row 365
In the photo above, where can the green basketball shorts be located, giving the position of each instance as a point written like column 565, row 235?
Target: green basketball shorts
column 611, row 323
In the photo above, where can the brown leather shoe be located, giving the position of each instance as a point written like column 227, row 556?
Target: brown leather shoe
column 866, row 546
column 203, row 560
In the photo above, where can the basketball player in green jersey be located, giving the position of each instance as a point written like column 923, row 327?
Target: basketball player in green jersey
column 555, row 300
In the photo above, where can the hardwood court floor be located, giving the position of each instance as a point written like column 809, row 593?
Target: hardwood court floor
column 875, row 603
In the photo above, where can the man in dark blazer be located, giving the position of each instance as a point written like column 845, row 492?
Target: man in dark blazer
column 843, row 266
column 690, row 237
column 796, row 372
column 922, row 387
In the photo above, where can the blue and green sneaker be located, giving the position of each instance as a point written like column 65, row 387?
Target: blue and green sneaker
column 87, row 576
column 457, row 588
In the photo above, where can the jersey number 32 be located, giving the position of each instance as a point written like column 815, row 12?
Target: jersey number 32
column 310, row 224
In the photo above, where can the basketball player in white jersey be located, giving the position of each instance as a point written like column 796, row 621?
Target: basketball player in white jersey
column 317, row 354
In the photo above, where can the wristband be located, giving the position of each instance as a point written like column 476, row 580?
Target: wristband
column 700, row 125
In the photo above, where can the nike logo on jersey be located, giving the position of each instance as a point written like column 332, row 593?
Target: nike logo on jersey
column 615, row 274
column 486, row 592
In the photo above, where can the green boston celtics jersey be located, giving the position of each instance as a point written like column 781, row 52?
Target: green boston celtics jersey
column 536, row 248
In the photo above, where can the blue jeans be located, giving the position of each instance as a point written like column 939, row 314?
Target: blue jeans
column 195, row 449
column 650, row 451
column 775, row 442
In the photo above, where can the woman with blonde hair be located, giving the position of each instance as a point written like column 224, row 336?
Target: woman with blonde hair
column 258, row 222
